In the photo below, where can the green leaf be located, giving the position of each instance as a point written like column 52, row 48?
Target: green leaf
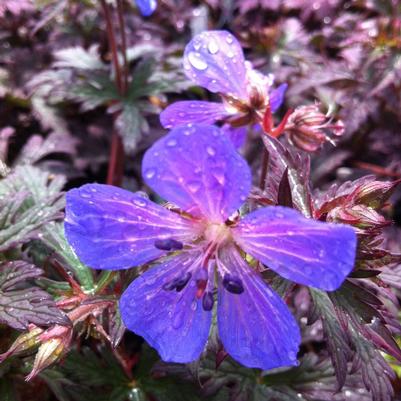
column 130, row 124
column 37, row 201
column 53, row 236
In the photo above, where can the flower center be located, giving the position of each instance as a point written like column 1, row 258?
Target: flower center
column 217, row 233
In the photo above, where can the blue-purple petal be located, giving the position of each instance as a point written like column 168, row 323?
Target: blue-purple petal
column 277, row 97
column 188, row 111
column 110, row 228
column 303, row 250
column 146, row 7
column 256, row 327
column 198, row 169
column 171, row 321
column 215, row 61
column 237, row 135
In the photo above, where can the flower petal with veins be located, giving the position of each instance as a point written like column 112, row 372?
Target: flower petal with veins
column 215, row 61
column 110, row 228
column 198, row 169
column 303, row 250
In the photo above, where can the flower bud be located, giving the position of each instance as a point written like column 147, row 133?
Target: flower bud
column 374, row 193
column 308, row 128
column 55, row 342
column 24, row 342
column 359, row 216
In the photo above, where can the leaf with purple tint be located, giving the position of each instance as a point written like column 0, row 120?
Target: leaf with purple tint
column 280, row 159
column 366, row 312
column 376, row 373
column 284, row 196
column 19, row 308
column 192, row 111
column 215, row 61
column 162, row 307
column 255, row 326
column 335, row 335
column 198, row 169
column 19, row 305
column 111, row 228
column 15, row 272
column 303, row 250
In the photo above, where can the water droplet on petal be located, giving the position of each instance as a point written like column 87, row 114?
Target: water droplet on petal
column 194, row 186
column 150, row 173
column 212, row 86
column 210, row 150
column 229, row 39
column 139, row 202
column 171, row 142
column 196, row 61
column 213, row 47
column 177, row 321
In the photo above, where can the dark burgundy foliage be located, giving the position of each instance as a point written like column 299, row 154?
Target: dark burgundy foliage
column 82, row 84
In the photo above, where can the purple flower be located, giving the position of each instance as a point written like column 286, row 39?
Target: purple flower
column 199, row 247
column 146, row 7
column 214, row 60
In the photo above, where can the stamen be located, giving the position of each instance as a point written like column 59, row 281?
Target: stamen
column 181, row 283
column 207, row 301
column 168, row 244
column 233, row 284
column 201, row 282
column 178, row 283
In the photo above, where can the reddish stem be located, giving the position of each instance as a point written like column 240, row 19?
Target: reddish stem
column 120, row 13
column 378, row 170
column 116, row 161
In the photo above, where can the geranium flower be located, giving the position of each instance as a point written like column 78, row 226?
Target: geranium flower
column 199, row 248
column 146, row 7
column 215, row 61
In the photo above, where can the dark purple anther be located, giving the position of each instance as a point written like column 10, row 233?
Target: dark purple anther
column 233, row 284
column 168, row 244
column 178, row 283
column 207, row 301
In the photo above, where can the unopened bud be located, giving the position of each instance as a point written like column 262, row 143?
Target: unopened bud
column 24, row 342
column 374, row 193
column 308, row 128
column 55, row 342
column 359, row 216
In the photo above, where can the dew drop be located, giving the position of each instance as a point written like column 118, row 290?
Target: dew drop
column 213, row 86
column 229, row 39
column 177, row 321
column 196, row 61
column 171, row 143
column 139, row 202
column 197, row 45
column 150, row 173
column 213, row 47
column 194, row 186
column 210, row 150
